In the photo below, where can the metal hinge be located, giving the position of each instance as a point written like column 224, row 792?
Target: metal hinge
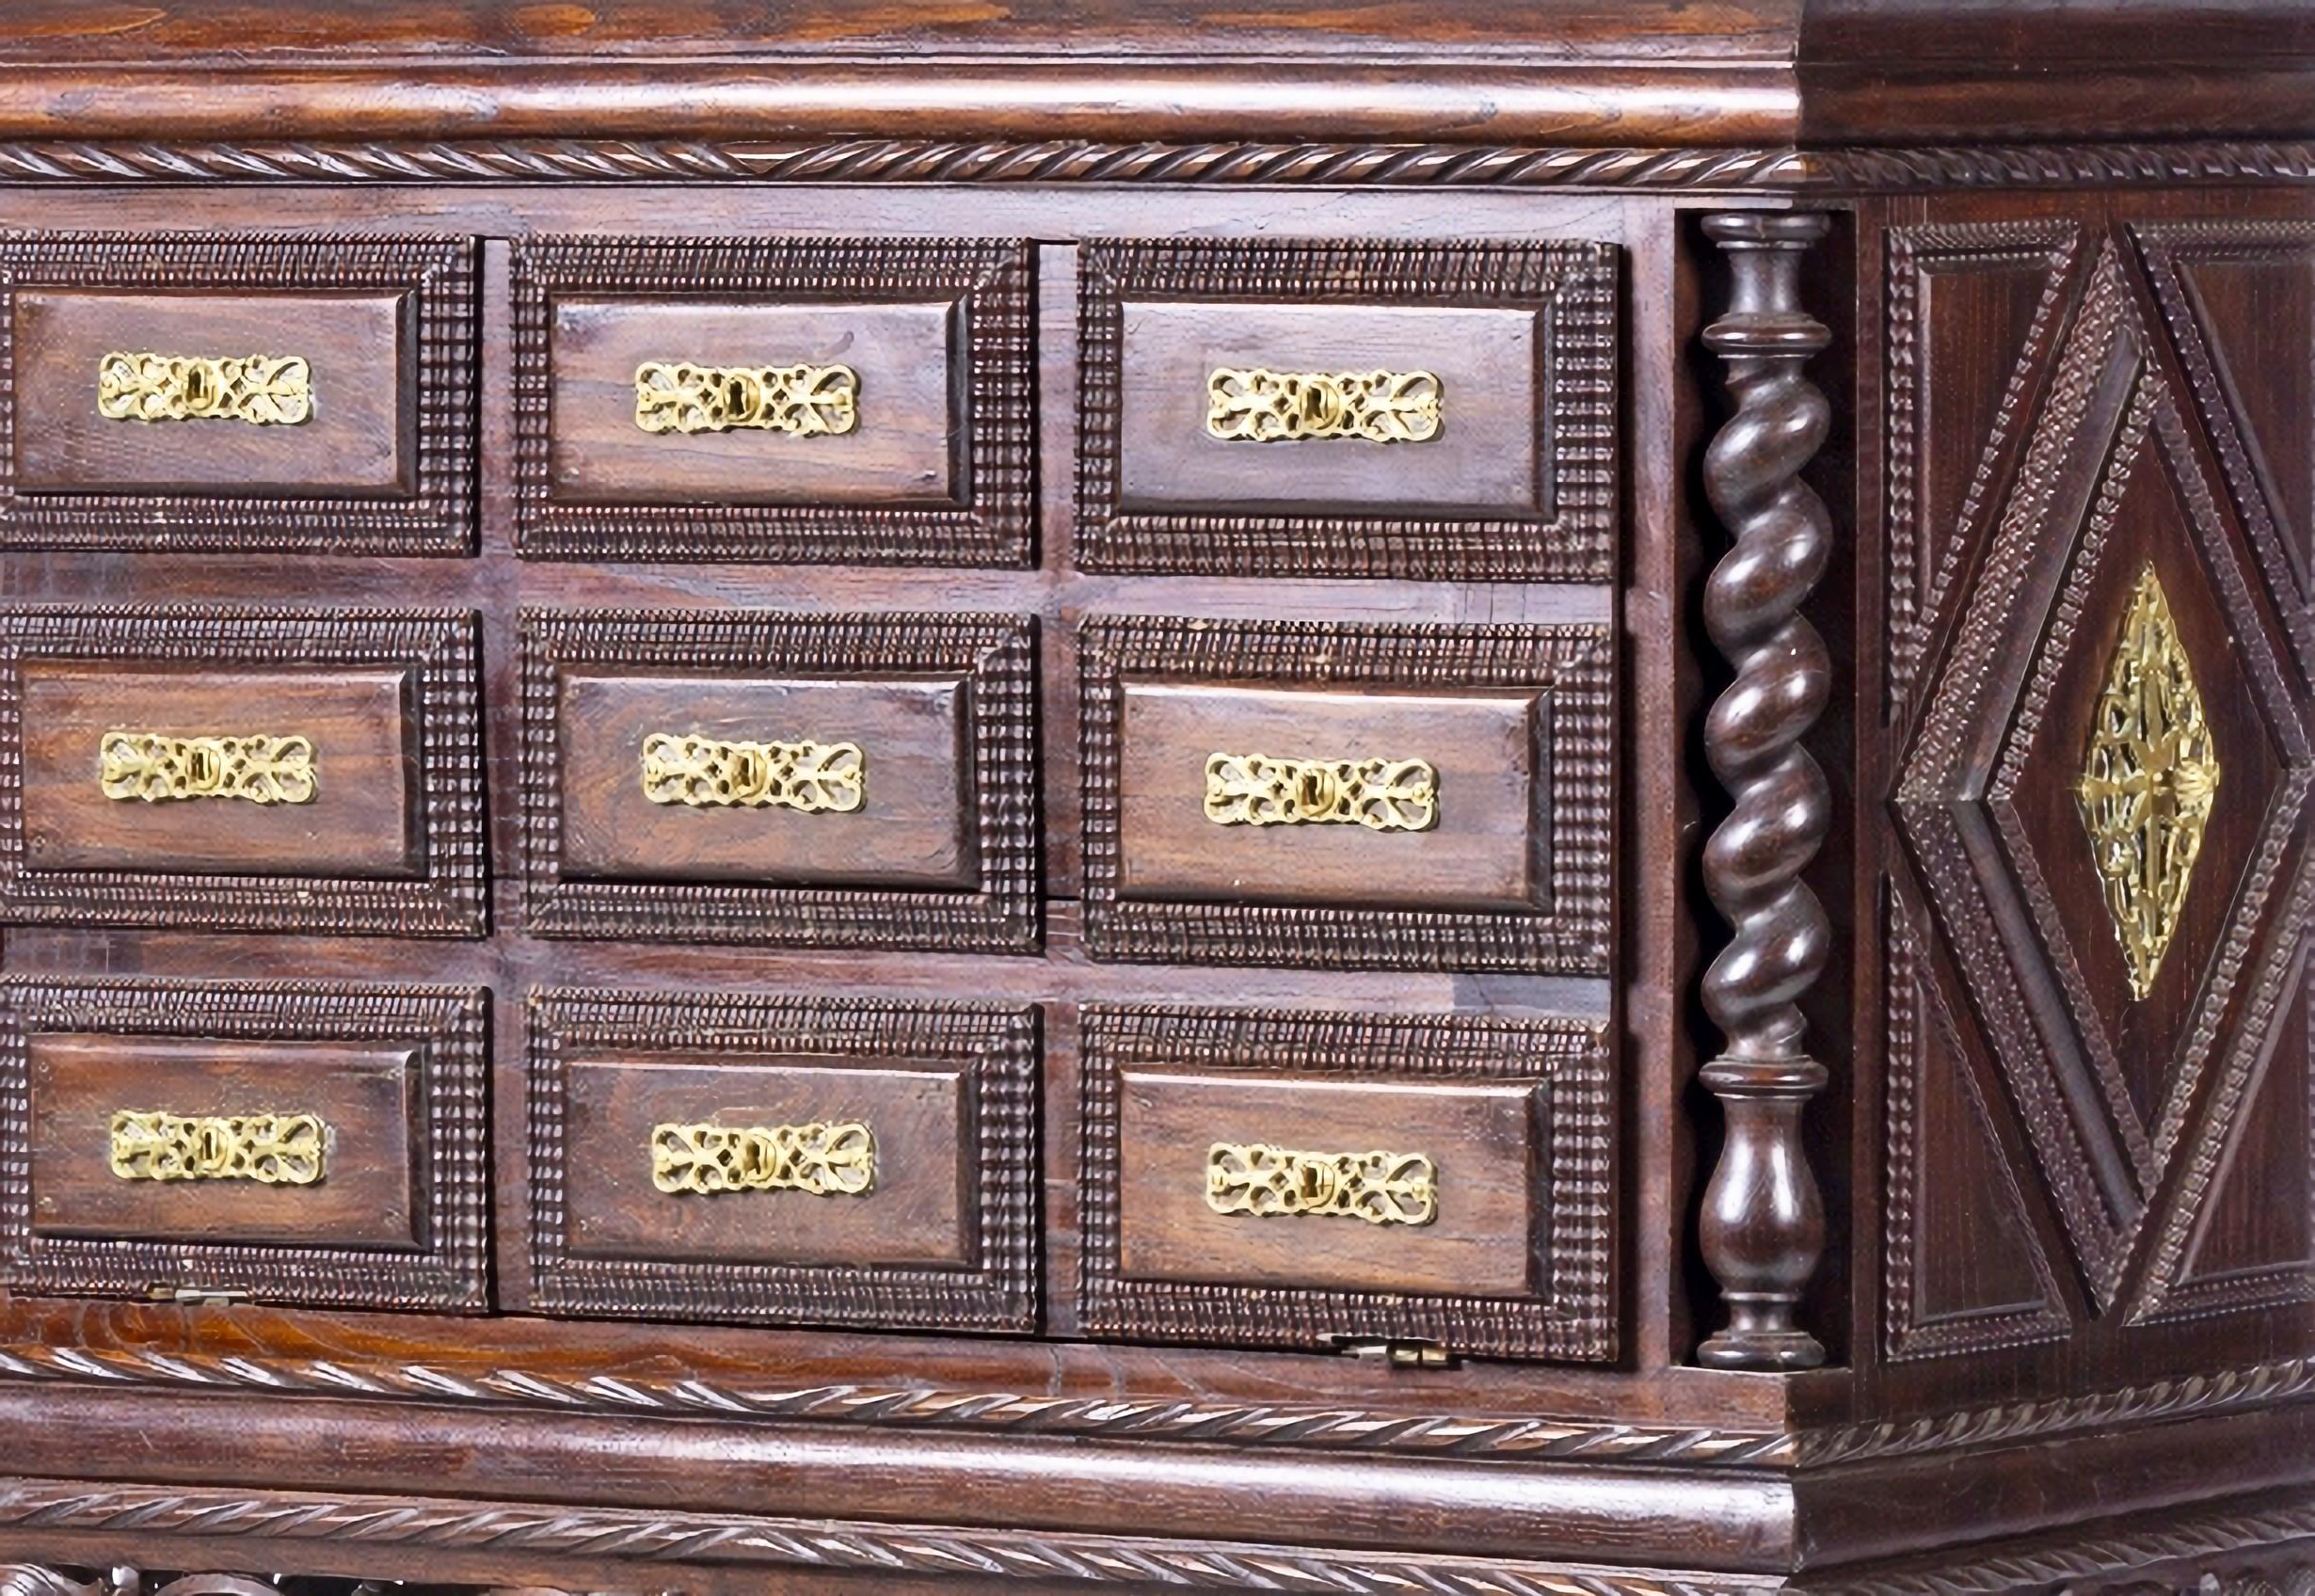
column 197, row 1296
column 1405, row 1352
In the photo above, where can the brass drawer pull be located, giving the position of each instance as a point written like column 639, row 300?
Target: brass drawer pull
column 269, row 1149
column 826, row 1158
column 1248, row 405
column 1379, row 1187
column 801, row 400
column 262, row 389
column 705, row 773
column 154, row 766
column 1378, row 795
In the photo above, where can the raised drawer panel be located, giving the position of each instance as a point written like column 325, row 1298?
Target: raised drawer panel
column 1348, row 409
column 841, row 780
column 773, row 1160
column 311, row 1143
column 214, row 392
column 859, row 400
column 1310, row 1180
column 1366, row 796
column 241, row 770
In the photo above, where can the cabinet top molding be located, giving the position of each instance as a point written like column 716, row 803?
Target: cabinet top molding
column 1502, row 75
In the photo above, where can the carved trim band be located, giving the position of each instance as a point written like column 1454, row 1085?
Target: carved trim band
column 826, row 1158
column 261, row 389
column 802, row 401
column 707, row 773
column 1378, row 795
column 269, row 1149
column 152, row 767
column 1379, row 1187
column 1253, row 405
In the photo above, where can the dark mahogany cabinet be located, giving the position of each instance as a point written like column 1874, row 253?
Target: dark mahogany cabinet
column 1489, row 799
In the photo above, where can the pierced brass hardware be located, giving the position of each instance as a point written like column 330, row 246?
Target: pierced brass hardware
column 705, row 773
column 1253, row 405
column 801, row 400
column 825, row 1158
column 262, row 389
column 154, row 766
column 2148, row 781
column 1400, row 1353
column 1379, row 1187
column 269, row 1149
column 1378, row 795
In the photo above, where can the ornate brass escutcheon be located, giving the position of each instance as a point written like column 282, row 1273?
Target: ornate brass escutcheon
column 708, row 772
column 1379, row 1187
column 1249, row 405
column 1378, row 795
column 803, row 400
column 271, row 1149
column 826, row 1158
column 261, row 389
column 154, row 767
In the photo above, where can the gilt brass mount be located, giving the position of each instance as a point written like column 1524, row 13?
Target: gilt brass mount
column 1378, row 795
column 2148, row 781
column 1253, row 405
column 1379, row 1187
column 153, row 767
column 824, row 1157
column 705, row 773
column 269, row 1149
column 262, row 389
column 801, row 400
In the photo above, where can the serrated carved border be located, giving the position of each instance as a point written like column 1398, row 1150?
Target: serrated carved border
column 997, row 653
column 438, row 276
column 1570, row 1314
column 1571, row 287
column 1573, row 664
column 992, row 523
column 446, row 1026
column 999, row 1052
column 729, row 1541
column 438, row 646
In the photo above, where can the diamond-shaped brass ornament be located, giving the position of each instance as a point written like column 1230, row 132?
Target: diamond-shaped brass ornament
column 2148, row 781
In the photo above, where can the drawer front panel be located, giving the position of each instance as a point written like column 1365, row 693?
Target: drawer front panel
column 752, row 777
column 1364, row 796
column 790, row 400
column 754, row 404
column 214, row 392
column 219, row 772
column 771, row 1160
column 258, row 770
column 307, row 1143
column 1305, row 1179
column 796, row 781
column 1347, row 409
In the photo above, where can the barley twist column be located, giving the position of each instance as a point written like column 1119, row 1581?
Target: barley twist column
column 1763, row 1228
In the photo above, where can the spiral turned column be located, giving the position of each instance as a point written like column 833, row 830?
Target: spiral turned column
column 1763, row 1228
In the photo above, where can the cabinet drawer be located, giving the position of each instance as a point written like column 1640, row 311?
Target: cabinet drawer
column 298, row 1143
column 1304, row 1178
column 194, row 391
column 750, row 776
column 1355, row 795
column 774, row 400
column 1348, row 409
column 241, row 770
column 771, row 1160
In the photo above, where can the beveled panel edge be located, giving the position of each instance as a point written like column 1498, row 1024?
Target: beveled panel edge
column 438, row 271
column 1575, row 662
column 1571, row 284
column 1569, row 1060
column 438, row 646
column 998, row 1045
column 447, row 1024
column 994, row 526
column 997, row 652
